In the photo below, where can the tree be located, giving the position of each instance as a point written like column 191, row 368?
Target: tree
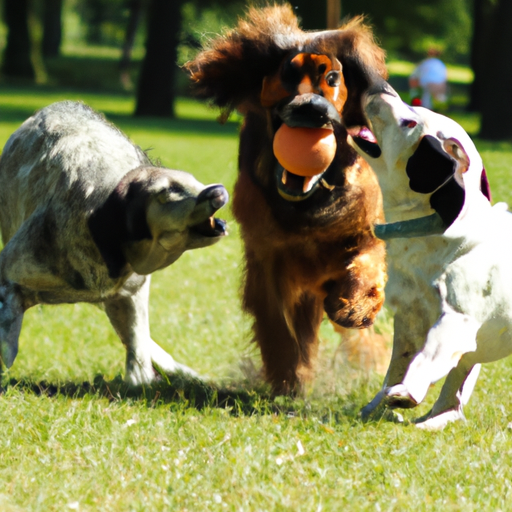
column 155, row 94
column 52, row 28
column 408, row 28
column 17, row 54
column 312, row 15
column 136, row 8
column 482, row 17
column 318, row 15
column 496, row 76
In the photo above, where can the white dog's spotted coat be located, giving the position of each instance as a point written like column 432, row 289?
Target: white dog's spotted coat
column 86, row 217
column 452, row 292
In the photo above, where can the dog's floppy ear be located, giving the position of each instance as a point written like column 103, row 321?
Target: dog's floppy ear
column 120, row 219
column 429, row 169
column 485, row 187
column 232, row 69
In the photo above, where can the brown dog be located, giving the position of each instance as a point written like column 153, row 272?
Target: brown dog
column 308, row 242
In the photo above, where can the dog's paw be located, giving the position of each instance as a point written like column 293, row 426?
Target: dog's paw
column 178, row 369
column 369, row 409
column 439, row 421
column 399, row 397
column 380, row 413
column 377, row 409
column 139, row 375
column 165, row 363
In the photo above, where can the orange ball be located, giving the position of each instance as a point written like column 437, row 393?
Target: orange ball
column 304, row 151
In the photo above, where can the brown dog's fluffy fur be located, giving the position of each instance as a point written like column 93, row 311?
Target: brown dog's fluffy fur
column 303, row 257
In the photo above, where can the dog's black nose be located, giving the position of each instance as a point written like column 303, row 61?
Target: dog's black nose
column 217, row 195
column 308, row 111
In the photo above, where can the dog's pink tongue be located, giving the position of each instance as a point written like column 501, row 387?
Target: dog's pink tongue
column 366, row 134
column 363, row 132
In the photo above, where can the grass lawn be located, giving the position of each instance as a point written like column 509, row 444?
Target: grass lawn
column 73, row 437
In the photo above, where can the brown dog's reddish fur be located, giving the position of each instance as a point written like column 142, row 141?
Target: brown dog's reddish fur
column 308, row 256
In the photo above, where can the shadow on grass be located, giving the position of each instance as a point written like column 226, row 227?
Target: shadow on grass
column 179, row 390
column 182, row 392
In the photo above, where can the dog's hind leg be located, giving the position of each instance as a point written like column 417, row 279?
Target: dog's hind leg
column 11, row 318
column 455, row 394
column 129, row 316
column 453, row 335
column 410, row 330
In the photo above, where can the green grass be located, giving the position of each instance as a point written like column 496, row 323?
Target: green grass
column 457, row 74
column 73, row 437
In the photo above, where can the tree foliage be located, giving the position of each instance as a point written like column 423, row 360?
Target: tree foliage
column 104, row 20
column 405, row 28
column 476, row 32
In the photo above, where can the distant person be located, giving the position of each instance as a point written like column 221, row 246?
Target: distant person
column 430, row 76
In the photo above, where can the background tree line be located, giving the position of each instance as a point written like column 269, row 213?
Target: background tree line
column 165, row 33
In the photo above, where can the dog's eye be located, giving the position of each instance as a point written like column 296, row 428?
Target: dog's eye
column 333, row 78
column 456, row 151
column 408, row 123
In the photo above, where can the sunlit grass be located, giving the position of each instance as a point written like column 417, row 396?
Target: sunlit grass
column 74, row 438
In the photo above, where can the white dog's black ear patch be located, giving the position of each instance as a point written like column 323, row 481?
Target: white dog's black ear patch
column 430, row 166
column 429, row 169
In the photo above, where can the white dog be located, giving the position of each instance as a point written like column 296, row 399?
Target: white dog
column 86, row 217
column 449, row 254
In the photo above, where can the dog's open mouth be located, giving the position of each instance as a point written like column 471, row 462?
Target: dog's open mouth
column 366, row 140
column 211, row 228
column 296, row 188
column 303, row 156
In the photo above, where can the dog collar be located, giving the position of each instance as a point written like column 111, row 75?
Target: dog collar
column 422, row 226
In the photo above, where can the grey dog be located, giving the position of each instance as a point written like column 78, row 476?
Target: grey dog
column 86, row 217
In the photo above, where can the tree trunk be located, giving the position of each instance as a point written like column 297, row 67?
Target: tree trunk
column 496, row 81
column 52, row 28
column 155, row 95
column 482, row 14
column 312, row 14
column 333, row 14
column 135, row 7
column 17, row 59
column 95, row 10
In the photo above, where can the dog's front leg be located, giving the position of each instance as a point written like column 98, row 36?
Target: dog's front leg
column 453, row 335
column 286, row 323
column 411, row 325
column 455, row 394
column 130, row 318
column 11, row 318
column 354, row 298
